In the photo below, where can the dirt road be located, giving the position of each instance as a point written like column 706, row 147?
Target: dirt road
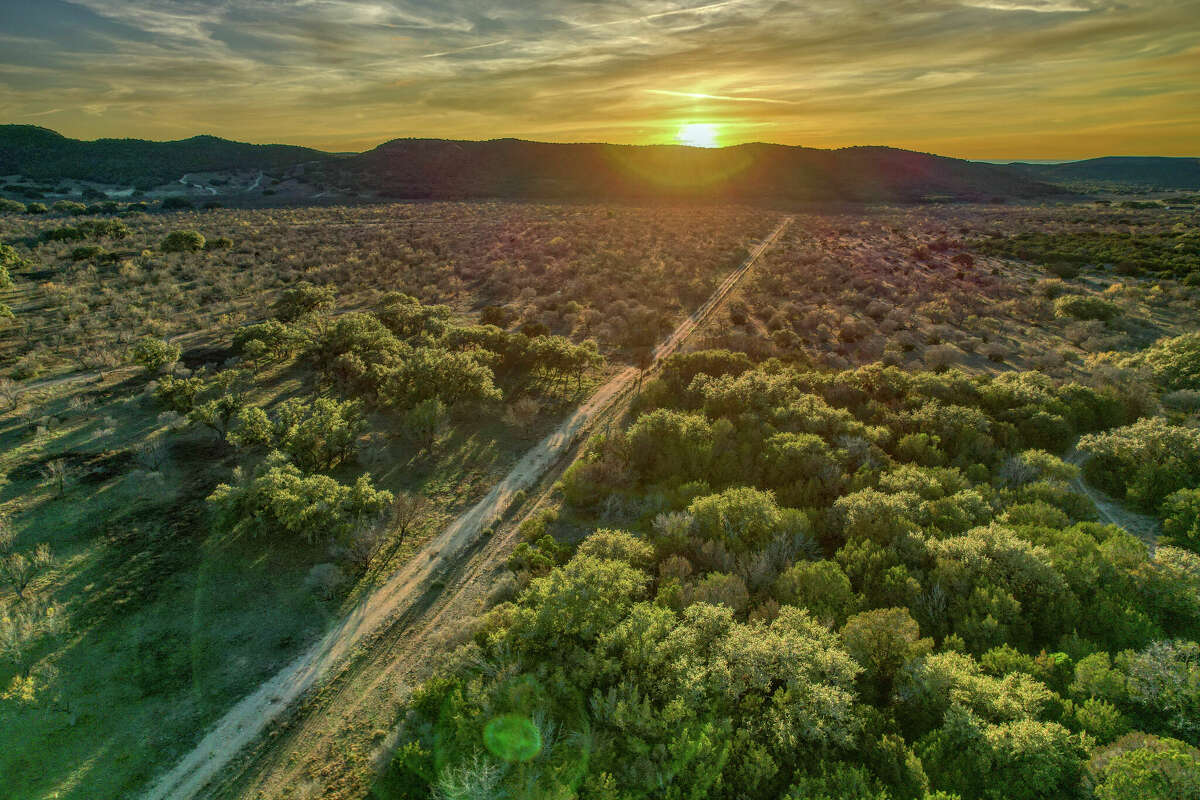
column 248, row 718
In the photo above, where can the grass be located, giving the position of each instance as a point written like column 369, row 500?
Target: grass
column 168, row 625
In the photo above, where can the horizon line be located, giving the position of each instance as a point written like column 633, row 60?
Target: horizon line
column 1040, row 161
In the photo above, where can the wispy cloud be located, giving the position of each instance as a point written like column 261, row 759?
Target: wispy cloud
column 1046, row 7
column 968, row 77
column 732, row 98
column 466, row 49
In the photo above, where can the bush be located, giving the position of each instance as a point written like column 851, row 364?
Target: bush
column 154, row 354
column 1174, row 361
column 219, row 243
column 176, row 202
column 87, row 252
column 1063, row 270
column 69, row 207
column 304, row 300
column 36, row 208
column 9, row 260
column 11, row 206
column 1145, row 461
column 281, row 497
column 182, row 242
column 1181, row 519
column 1078, row 306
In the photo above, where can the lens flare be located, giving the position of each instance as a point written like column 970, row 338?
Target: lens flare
column 697, row 134
column 512, row 737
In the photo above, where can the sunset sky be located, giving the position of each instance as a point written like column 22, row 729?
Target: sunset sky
column 971, row 78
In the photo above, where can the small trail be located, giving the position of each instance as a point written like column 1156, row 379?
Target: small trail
column 185, row 182
column 246, row 720
column 1143, row 526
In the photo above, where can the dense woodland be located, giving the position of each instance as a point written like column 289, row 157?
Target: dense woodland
column 916, row 513
column 871, row 583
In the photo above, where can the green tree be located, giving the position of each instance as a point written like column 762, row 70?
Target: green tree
column 279, row 497
column 743, row 519
column 1163, row 684
column 821, row 587
column 876, row 516
column 1143, row 767
column 1145, row 461
column 1079, row 306
column 425, row 424
column 1174, row 361
column 433, row 373
column 154, row 355
column 221, row 399
column 882, row 641
column 250, row 427
column 1181, row 519
column 10, row 259
column 666, row 444
column 318, row 435
column 179, row 394
column 267, row 341
column 303, row 301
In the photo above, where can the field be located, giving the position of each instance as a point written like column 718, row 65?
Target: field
column 223, row 428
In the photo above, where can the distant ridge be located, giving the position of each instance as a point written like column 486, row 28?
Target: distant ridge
column 512, row 168
column 1151, row 171
column 517, row 168
column 44, row 154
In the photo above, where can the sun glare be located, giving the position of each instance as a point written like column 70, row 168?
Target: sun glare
column 697, row 134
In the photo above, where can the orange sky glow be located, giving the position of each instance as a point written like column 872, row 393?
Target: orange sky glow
column 1038, row 79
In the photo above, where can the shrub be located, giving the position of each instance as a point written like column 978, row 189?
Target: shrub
column 175, row 202
column 36, row 208
column 303, row 300
column 11, row 206
column 154, row 354
column 87, row 252
column 69, row 207
column 9, row 260
column 1145, row 461
column 1063, row 270
column 1078, row 306
column 182, row 242
column 281, row 497
column 219, row 243
column 1181, row 519
column 1174, row 361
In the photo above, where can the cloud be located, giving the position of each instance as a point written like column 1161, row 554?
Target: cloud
column 731, row 98
column 466, row 49
column 971, row 74
column 1046, row 7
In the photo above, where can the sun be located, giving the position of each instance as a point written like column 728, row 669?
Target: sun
column 697, row 134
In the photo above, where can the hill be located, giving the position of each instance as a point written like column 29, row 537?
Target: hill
column 1167, row 173
column 510, row 168
column 43, row 154
column 437, row 168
